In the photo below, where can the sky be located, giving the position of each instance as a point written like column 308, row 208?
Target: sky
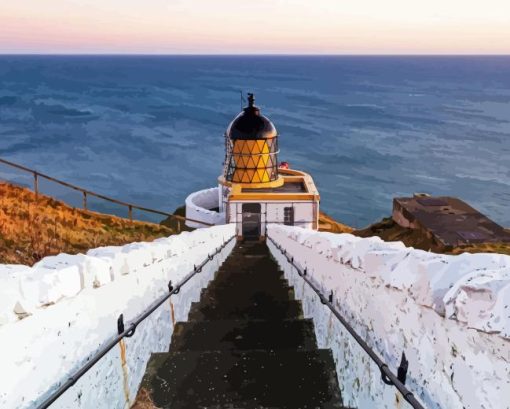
column 255, row 27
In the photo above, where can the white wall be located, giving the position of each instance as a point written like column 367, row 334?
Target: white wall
column 198, row 205
column 273, row 212
column 450, row 314
column 223, row 193
column 74, row 303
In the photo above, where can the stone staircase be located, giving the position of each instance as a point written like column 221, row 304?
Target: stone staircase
column 245, row 346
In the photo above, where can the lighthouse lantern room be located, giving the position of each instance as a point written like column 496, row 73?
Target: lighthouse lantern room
column 251, row 142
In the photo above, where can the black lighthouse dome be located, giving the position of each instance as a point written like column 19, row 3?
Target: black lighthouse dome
column 251, row 124
column 251, row 143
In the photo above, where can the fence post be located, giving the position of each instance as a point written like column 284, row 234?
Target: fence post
column 36, row 185
column 36, row 175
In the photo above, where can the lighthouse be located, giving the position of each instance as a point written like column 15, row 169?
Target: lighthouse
column 251, row 148
column 253, row 190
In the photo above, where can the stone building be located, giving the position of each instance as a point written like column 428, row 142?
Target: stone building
column 449, row 221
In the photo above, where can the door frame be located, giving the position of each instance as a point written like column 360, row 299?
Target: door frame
column 251, row 216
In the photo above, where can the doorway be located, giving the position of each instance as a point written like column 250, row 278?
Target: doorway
column 251, row 220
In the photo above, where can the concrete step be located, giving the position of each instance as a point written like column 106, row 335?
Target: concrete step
column 250, row 267
column 253, row 295
column 235, row 273
column 234, row 279
column 235, row 291
column 261, row 269
column 251, row 248
column 248, row 280
column 243, row 335
column 253, row 254
column 243, row 379
column 262, row 309
column 245, row 346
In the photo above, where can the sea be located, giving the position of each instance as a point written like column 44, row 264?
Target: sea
column 150, row 129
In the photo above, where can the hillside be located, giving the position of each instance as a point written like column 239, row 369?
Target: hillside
column 174, row 224
column 31, row 228
column 328, row 224
column 388, row 230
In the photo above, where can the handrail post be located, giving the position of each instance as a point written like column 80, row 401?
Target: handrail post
column 130, row 213
column 36, row 185
column 84, row 200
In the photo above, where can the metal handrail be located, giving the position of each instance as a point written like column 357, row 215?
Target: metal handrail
column 388, row 377
column 129, row 332
column 87, row 192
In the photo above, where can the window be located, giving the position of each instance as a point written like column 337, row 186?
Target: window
column 288, row 216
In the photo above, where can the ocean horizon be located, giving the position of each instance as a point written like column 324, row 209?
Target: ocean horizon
column 148, row 129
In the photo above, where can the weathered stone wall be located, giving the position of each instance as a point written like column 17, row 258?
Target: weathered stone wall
column 450, row 314
column 73, row 303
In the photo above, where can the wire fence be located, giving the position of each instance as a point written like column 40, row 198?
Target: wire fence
column 86, row 194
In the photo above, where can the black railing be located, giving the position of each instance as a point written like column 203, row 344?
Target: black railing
column 89, row 193
column 128, row 332
column 388, row 377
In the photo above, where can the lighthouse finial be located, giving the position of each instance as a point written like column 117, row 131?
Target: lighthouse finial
column 251, row 99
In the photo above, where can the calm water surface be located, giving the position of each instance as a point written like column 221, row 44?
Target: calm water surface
column 150, row 129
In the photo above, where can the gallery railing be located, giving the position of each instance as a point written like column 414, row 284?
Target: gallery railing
column 88, row 193
column 388, row 377
column 128, row 332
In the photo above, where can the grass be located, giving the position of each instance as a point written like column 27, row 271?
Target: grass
column 175, row 224
column 34, row 227
column 143, row 400
column 328, row 224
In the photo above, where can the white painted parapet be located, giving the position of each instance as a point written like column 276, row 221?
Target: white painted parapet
column 198, row 205
column 450, row 314
column 73, row 303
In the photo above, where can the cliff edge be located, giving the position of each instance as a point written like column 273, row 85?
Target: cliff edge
column 388, row 230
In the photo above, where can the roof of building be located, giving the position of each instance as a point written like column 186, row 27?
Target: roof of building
column 451, row 220
column 289, row 187
column 251, row 124
column 293, row 186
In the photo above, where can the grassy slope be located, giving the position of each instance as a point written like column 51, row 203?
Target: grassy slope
column 174, row 224
column 32, row 228
column 328, row 224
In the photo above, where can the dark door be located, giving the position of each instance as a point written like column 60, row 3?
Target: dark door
column 251, row 220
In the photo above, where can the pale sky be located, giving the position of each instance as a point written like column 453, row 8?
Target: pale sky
column 255, row 27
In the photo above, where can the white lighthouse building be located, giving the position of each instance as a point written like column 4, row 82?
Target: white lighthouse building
column 253, row 190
